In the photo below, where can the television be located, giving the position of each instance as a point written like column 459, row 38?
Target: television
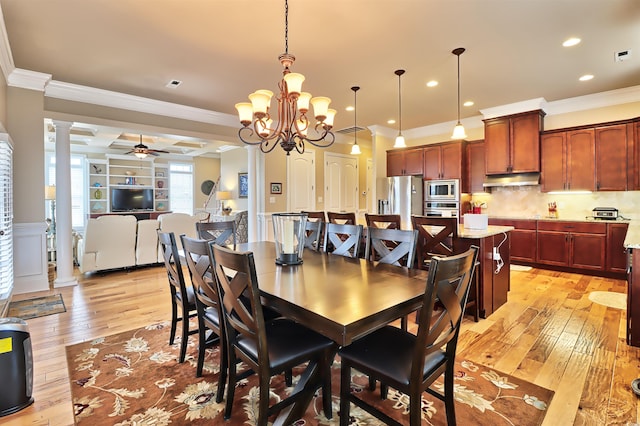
column 128, row 199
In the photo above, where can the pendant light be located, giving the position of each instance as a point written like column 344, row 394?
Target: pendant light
column 399, row 139
column 355, row 148
column 458, row 131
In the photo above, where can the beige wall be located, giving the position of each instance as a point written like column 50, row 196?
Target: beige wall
column 25, row 125
column 231, row 163
column 205, row 169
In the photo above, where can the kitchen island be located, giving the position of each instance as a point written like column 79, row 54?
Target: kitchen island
column 492, row 272
column 632, row 245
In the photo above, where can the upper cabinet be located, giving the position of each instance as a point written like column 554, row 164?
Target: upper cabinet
column 614, row 157
column 405, row 162
column 475, row 168
column 567, row 161
column 443, row 161
column 512, row 143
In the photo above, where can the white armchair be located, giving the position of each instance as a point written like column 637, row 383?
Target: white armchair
column 178, row 223
column 109, row 242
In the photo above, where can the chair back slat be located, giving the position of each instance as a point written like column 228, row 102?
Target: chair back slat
column 343, row 240
column 392, row 246
column 222, row 233
column 196, row 253
column 342, row 218
column 449, row 282
column 171, row 259
column 436, row 237
column 313, row 234
column 384, row 221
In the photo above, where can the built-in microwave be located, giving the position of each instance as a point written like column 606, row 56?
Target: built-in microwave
column 442, row 190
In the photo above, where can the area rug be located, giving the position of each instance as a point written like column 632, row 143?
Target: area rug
column 37, row 307
column 611, row 299
column 133, row 378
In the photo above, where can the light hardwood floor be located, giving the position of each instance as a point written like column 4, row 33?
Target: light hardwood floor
column 548, row 333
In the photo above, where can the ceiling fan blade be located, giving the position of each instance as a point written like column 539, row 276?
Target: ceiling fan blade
column 151, row 152
column 159, row 150
column 129, row 152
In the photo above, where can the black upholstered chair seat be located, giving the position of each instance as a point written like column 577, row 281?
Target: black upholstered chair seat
column 211, row 315
column 388, row 353
column 289, row 344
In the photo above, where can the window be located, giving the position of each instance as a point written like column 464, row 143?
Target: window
column 78, row 186
column 181, row 187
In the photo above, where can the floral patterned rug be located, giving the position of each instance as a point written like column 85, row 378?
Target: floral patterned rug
column 133, row 378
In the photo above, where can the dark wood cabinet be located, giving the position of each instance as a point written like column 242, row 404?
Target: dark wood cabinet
column 633, row 299
column 613, row 157
column 577, row 245
column 616, row 253
column 443, row 161
column 568, row 161
column 523, row 238
column 406, row 162
column 472, row 183
column 512, row 143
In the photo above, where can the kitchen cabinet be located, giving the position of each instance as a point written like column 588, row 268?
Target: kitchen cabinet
column 443, row 161
column 512, row 143
column 568, row 160
column 616, row 253
column 405, row 162
column 613, row 157
column 523, row 238
column 475, row 168
column 579, row 245
column 633, row 299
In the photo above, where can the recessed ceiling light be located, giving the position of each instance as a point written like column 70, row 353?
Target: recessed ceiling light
column 392, row 121
column 571, row 42
column 432, row 83
column 586, row 77
column 468, row 103
column 349, row 108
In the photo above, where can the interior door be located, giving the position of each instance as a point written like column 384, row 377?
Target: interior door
column 301, row 178
column 341, row 183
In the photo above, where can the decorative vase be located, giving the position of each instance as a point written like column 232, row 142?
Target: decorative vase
column 160, row 184
column 97, row 195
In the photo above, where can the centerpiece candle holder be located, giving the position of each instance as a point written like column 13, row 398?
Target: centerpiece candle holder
column 289, row 234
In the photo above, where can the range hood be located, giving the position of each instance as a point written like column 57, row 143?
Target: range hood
column 519, row 179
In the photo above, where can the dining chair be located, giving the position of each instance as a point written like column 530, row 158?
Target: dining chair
column 385, row 221
column 266, row 347
column 342, row 218
column 315, row 216
column 343, row 240
column 222, row 233
column 437, row 236
column 313, row 235
column 412, row 363
column 182, row 295
column 196, row 253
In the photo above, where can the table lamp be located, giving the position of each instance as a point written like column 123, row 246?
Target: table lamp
column 221, row 196
column 50, row 194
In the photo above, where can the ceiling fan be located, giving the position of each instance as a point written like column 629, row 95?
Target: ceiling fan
column 141, row 150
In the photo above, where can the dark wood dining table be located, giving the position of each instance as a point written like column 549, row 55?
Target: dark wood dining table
column 338, row 297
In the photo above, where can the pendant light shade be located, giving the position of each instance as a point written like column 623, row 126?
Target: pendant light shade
column 458, row 131
column 355, row 148
column 400, row 143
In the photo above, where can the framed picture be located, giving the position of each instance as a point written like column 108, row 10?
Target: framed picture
column 159, row 174
column 243, row 185
column 276, row 188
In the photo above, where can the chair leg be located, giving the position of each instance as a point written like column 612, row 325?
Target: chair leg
column 384, row 390
column 415, row 410
column 448, row 394
column 224, row 367
column 326, row 384
column 372, row 384
column 202, row 345
column 185, row 335
column 288, row 378
column 263, row 403
column 174, row 320
column 345, row 393
column 231, row 363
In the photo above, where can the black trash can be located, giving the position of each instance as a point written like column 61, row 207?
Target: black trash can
column 16, row 366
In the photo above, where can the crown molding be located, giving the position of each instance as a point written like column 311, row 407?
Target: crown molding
column 26, row 79
column 595, row 100
column 514, row 108
column 90, row 95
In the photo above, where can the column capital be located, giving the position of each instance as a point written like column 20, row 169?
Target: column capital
column 62, row 124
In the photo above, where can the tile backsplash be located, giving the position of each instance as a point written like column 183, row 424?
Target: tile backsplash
column 529, row 202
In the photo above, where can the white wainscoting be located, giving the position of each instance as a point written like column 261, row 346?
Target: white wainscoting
column 30, row 257
column 265, row 227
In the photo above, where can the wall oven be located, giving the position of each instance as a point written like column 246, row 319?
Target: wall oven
column 441, row 209
column 442, row 190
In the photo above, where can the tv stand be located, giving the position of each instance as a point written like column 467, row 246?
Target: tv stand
column 140, row 215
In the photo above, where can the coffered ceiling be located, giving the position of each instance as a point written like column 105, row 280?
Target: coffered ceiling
column 222, row 50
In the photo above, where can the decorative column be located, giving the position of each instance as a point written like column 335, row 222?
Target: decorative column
column 253, row 193
column 64, row 245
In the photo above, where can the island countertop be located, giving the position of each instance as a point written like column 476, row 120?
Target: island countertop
column 482, row 233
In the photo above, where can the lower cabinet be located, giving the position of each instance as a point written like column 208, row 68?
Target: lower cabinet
column 633, row 299
column 523, row 238
column 616, row 253
column 577, row 245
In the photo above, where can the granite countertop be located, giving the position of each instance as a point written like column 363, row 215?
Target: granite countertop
column 482, row 233
column 632, row 240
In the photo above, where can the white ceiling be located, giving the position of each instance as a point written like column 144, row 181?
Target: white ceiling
column 223, row 50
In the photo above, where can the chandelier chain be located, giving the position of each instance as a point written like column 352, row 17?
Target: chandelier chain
column 286, row 26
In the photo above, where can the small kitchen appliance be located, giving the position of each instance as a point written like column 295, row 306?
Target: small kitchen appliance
column 607, row 213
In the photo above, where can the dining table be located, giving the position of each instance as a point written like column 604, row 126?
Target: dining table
column 339, row 297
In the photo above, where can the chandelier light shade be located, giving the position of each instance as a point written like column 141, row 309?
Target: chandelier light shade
column 400, row 143
column 458, row 131
column 291, row 128
column 355, row 148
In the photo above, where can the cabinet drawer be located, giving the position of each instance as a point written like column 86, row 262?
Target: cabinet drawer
column 574, row 227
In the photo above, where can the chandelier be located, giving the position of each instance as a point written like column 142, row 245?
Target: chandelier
column 292, row 124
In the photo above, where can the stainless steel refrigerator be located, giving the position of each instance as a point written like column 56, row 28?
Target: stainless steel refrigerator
column 401, row 195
